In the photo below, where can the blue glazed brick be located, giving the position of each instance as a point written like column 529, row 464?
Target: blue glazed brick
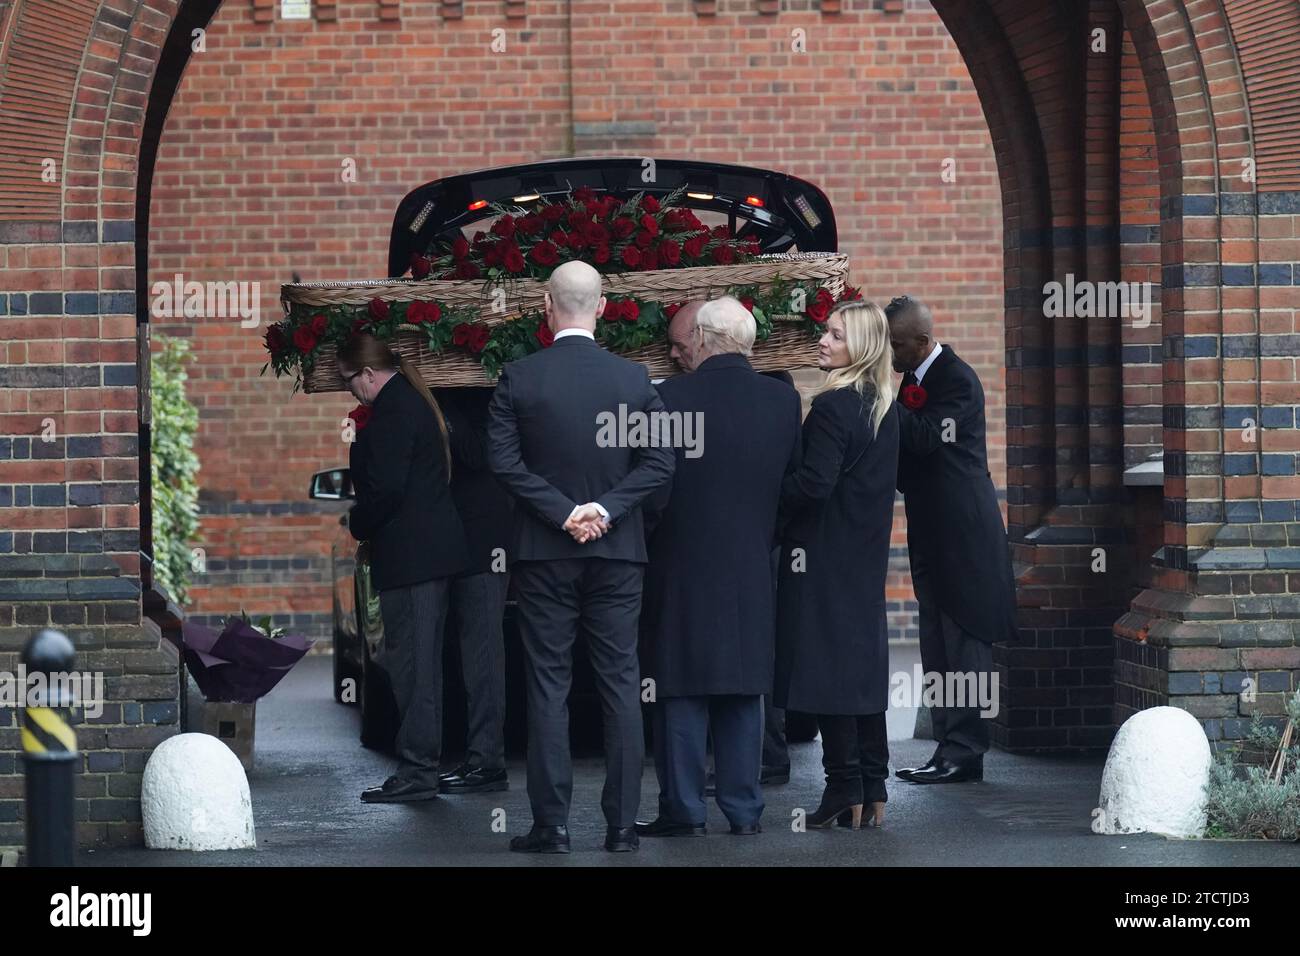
column 18, row 303
column 1239, row 464
column 1200, row 205
column 1278, row 416
column 1271, row 682
column 119, row 230
column 161, row 712
column 4, row 304
column 1200, row 275
column 1188, row 682
column 1212, row 683
column 1214, row 729
column 22, row 496
column 1238, row 275
column 1279, row 511
column 1275, row 273
column 46, row 303
column 81, row 303
column 1278, row 465
column 1235, row 728
column 1237, row 204
column 131, row 713
column 117, row 303
column 119, row 375
column 48, row 496
column 1285, row 203
column 1200, row 346
column 1238, row 511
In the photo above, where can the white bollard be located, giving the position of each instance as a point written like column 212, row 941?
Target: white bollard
column 194, row 796
column 1155, row 776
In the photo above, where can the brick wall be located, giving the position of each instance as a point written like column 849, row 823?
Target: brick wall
column 248, row 187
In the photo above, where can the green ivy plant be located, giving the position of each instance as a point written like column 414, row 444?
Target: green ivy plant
column 175, row 468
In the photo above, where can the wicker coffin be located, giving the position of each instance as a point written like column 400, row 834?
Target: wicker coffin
column 788, row 346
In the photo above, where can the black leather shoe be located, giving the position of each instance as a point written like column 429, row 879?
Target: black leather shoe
column 906, row 772
column 468, row 779
column 457, row 771
column 621, row 839
column 663, row 827
column 396, row 790
column 745, row 829
column 945, row 771
column 542, row 840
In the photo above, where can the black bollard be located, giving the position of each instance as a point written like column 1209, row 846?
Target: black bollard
column 50, row 753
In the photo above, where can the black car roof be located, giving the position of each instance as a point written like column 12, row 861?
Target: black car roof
column 794, row 213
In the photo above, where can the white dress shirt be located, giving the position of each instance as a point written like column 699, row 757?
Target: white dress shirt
column 929, row 360
column 591, row 335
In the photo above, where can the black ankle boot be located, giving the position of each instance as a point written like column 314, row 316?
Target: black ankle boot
column 840, row 796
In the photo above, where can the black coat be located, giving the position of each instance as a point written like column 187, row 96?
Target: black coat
column 708, row 614
column 832, row 631
column 484, row 506
column 404, row 508
column 953, row 518
column 545, row 447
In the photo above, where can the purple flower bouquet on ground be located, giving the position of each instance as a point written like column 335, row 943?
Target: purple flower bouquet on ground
column 243, row 662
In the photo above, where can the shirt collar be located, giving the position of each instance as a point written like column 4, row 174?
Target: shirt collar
column 584, row 332
column 929, row 360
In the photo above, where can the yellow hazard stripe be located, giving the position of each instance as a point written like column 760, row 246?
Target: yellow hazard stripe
column 53, row 726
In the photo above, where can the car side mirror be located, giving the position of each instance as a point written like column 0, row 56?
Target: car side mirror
column 332, row 485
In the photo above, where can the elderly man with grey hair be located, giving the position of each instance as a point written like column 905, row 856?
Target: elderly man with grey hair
column 579, row 549
column 708, row 623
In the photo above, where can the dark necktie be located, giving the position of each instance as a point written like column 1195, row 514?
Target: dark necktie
column 909, row 378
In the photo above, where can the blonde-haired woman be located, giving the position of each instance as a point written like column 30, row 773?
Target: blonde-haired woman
column 838, row 511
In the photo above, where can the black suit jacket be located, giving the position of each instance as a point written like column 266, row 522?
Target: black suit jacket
column 546, row 418
column 484, row 506
column 953, row 518
column 404, row 508
column 708, row 614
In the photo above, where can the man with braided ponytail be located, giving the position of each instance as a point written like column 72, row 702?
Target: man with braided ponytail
column 401, row 473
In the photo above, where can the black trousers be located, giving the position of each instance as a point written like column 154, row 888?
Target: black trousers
column 961, row 732
column 776, row 752
column 856, row 748
column 411, row 655
column 478, row 603
column 601, row 599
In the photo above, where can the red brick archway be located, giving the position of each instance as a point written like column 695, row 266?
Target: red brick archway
column 1223, row 600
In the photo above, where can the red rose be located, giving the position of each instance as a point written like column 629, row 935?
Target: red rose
column 631, row 311
column 556, row 237
column 850, row 294
column 623, row 227
column 601, row 255
column 671, row 310
column 423, row 312
column 461, row 333
column 478, row 338
column 649, row 203
column 274, row 339
column 597, row 233
column 466, row 270
column 578, row 218
column 359, row 323
column 378, row 309
column 643, row 239
column 552, row 214
column 492, row 257
column 545, row 253
column 459, row 248
column 607, row 206
column 360, row 416
column 318, row 325
column 584, row 194
column 670, row 252
column 913, row 396
column 480, row 237
column 420, row 266
column 819, row 311
column 544, row 335
column 650, row 259
column 824, row 297
column 748, row 304
column 515, row 261
column 649, row 225
column 505, row 226
column 613, row 311
column 724, row 256
column 530, row 224
column 303, row 339
column 631, row 257
column 576, row 241
column 722, row 231
column 694, row 247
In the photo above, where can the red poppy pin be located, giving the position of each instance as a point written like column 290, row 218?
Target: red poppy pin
column 360, row 416
column 913, row 397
